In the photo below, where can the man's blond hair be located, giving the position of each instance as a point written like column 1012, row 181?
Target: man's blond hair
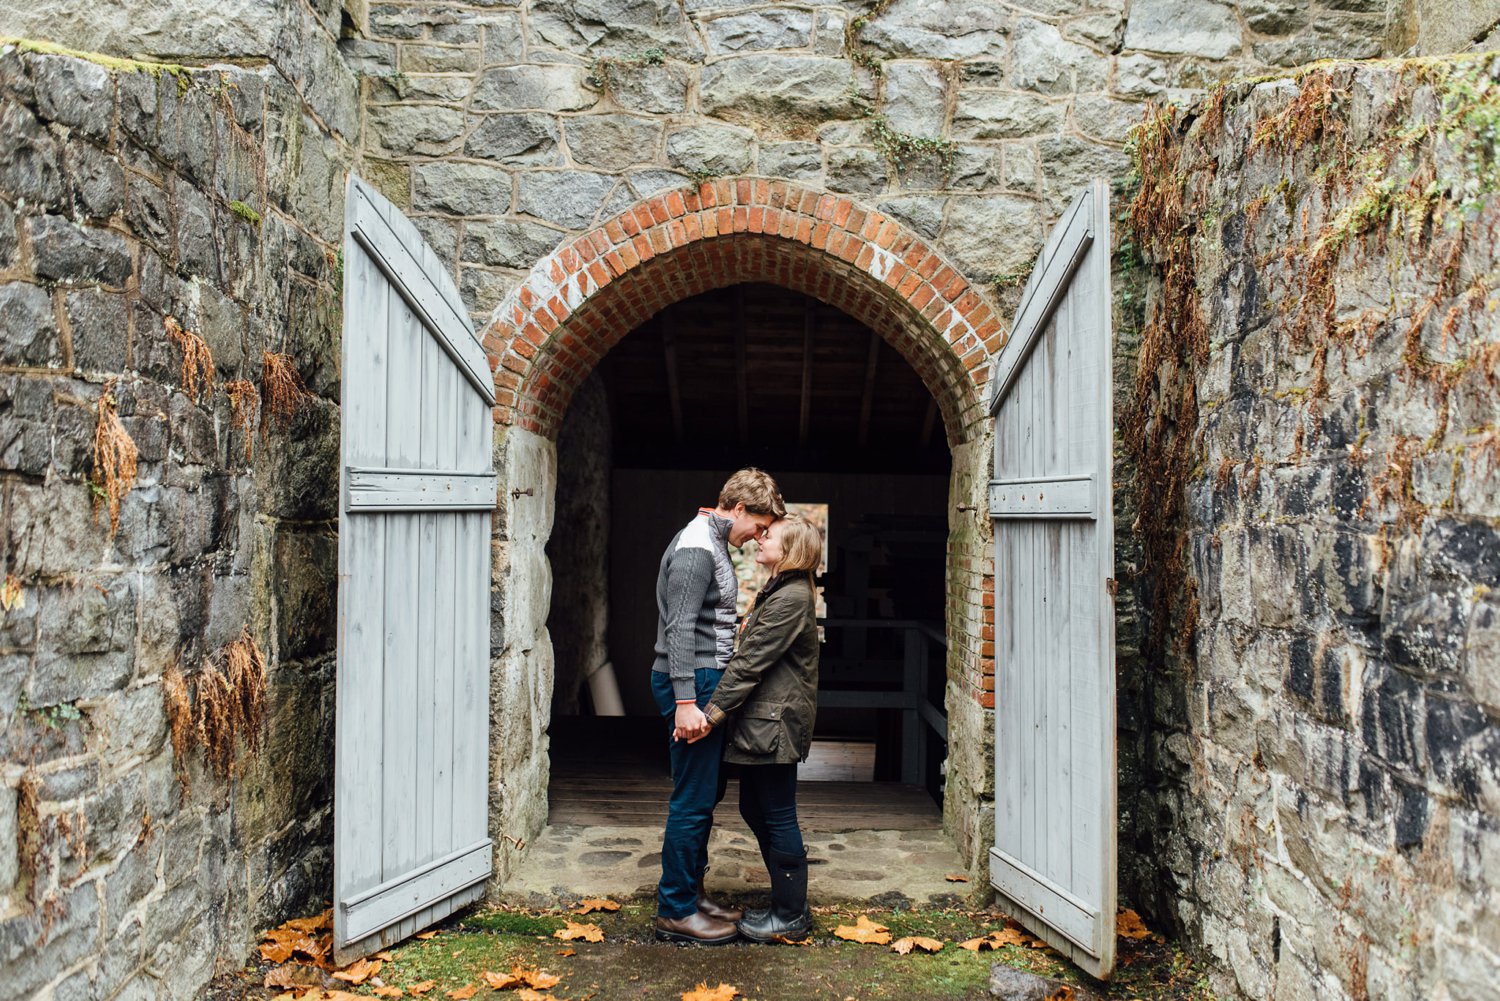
column 755, row 489
column 801, row 545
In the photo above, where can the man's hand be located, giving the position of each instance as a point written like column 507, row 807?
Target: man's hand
column 690, row 723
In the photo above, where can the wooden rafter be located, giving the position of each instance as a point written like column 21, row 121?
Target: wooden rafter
column 867, row 401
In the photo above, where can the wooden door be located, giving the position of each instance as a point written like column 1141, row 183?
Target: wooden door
column 1050, row 501
column 416, row 494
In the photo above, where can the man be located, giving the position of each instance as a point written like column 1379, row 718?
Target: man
column 696, row 588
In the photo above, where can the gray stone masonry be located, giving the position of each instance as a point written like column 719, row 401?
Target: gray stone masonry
column 1314, row 793
column 129, row 194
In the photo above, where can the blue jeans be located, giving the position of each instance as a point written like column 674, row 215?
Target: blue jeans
column 768, row 802
column 697, row 786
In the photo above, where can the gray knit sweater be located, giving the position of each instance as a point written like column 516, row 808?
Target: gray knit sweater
column 695, row 595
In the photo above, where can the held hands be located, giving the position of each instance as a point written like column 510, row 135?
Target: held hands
column 690, row 723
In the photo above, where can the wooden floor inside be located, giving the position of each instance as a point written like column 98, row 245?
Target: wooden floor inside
column 614, row 772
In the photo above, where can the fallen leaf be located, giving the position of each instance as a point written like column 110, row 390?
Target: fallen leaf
column 1062, row 993
column 1128, row 924
column 500, row 981
column 536, row 978
column 464, row 993
column 317, row 922
column 425, row 935
column 1010, row 936
column 703, row 992
column 979, row 944
column 589, row 933
column 596, row 904
column 905, row 945
column 383, row 954
column 388, row 992
column 276, row 952
column 865, row 931
column 789, row 941
column 527, row 994
column 358, row 973
column 423, row 987
column 567, row 952
column 956, row 878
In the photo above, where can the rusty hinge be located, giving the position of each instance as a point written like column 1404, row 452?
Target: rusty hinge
column 1112, row 586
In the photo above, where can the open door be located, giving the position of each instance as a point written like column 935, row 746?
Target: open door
column 1050, row 501
column 416, row 491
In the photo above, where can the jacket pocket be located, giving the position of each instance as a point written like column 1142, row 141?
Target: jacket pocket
column 758, row 730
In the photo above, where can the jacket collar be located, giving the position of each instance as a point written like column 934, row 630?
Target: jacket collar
column 717, row 525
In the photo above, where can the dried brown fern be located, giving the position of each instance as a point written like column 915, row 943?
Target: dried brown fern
column 197, row 369
column 244, row 399
column 246, row 667
column 179, row 709
column 230, row 704
column 214, row 724
column 115, row 457
column 282, row 391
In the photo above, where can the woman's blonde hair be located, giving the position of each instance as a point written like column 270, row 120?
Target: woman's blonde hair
column 801, row 545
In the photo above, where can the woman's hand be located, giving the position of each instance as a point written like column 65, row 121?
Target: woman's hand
column 690, row 724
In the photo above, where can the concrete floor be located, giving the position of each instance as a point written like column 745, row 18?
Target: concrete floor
column 567, row 862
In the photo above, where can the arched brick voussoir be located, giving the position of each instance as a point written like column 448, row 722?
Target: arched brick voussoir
column 580, row 300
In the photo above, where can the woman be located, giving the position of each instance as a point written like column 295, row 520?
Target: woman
column 766, row 702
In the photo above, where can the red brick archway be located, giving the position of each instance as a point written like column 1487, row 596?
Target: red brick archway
column 549, row 333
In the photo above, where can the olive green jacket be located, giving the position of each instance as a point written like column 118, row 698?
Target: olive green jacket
column 768, row 696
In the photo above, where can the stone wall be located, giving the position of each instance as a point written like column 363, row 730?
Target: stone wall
column 1320, row 757
column 134, row 196
column 579, row 551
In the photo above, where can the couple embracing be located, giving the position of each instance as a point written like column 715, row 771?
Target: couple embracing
column 750, row 706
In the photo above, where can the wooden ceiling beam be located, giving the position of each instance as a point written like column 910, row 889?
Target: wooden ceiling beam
column 742, row 389
column 867, row 401
column 809, row 328
column 674, row 391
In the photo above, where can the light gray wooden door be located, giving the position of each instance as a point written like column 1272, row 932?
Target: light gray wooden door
column 416, row 494
column 1050, row 500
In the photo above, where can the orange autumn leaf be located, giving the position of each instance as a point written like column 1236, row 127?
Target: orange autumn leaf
column 596, row 904
column 527, row 994
column 865, row 931
column 276, row 952
column 910, row 942
column 292, row 977
column 703, row 992
column 1010, row 936
column 464, row 993
column 423, row 987
column 589, row 933
column 979, row 944
column 793, row 941
column 425, row 935
column 956, row 878
column 567, row 952
column 358, row 973
column 500, row 981
column 538, row 979
column 388, row 992
column 385, row 955
column 1128, row 924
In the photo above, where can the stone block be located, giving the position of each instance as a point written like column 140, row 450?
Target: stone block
column 990, row 235
column 830, row 27
column 65, row 251
column 938, row 29
column 75, row 93
column 34, row 946
column 657, row 89
column 795, row 161
column 613, row 27
column 522, row 138
column 646, row 183
column 416, row 58
column 914, row 98
column 769, row 28
column 921, row 213
column 711, row 149
column 460, row 188
column 568, row 198
column 1274, row 17
column 96, row 180
column 1106, row 119
column 534, row 88
column 775, row 86
column 613, row 142
column 856, row 170
column 368, row 58
column 509, row 243
column 28, row 326
column 483, row 292
column 100, row 327
column 1189, row 27
column 409, row 130
column 9, row 861
column 503, row 41
column 30, row 159
column 989, row 114
column 1044, row 61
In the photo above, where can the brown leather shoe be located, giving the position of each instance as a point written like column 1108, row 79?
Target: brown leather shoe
column 717, row 910
column 695, row 929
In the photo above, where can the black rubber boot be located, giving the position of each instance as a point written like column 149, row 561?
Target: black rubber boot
column 788, row 917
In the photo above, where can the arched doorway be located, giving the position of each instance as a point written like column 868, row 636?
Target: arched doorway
column 554, row 331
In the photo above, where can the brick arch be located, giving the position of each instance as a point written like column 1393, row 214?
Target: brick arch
column 580, row 300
